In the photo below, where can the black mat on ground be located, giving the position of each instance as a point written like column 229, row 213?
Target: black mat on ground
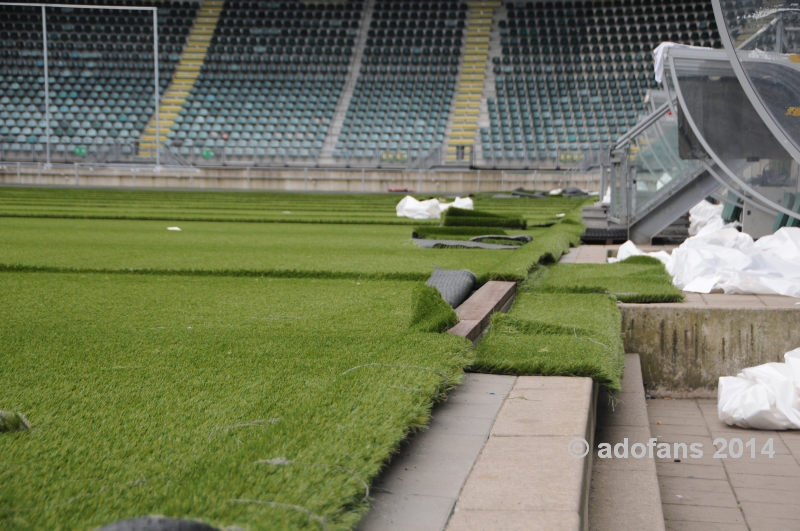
column 573, row 192
column 535, row 195
column 455, row 285
column 157, row 523
column 524, row 238
column 436, row 244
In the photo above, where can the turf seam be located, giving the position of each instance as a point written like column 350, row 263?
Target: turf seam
column 217, row 220
column 271, row 273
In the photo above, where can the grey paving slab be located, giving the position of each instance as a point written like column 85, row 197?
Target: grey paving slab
column 772, row 524
column 688, row 470
column 694, row 513
column 569, row 258
column 784, row 511
column 668, row 429
column 761, row 495
column 520, row 419
column 525, row 477
column 758, row 481
column 419, row 488
column 408, row 512
column 436, row 464
column 524, row 474
column 763, row 488
column 696, row 484
column 681, row 495
column 466, row 520
column 682, row 525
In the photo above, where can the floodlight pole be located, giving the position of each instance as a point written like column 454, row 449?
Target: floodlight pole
column 156, row 88
column 46, row 84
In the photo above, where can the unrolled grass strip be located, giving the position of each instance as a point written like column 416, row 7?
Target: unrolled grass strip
column 223, row 373
column 636, row 280
column 555, row 335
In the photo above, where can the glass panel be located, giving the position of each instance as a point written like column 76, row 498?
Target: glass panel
column 655, row 155
column 764, row 39
column 712, row 97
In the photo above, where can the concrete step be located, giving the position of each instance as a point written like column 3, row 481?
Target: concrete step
column 624, row 496
column 685, row 347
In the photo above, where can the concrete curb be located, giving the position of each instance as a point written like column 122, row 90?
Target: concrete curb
column 525, row 477
column 624, row 493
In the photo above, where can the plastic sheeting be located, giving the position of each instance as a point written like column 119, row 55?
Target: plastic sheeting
column 731, row 261
column 766, row 397
column 628, row 249
column 705, row 217
column 409, row 207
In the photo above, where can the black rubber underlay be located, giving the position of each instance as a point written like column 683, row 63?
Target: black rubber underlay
column 455, row 285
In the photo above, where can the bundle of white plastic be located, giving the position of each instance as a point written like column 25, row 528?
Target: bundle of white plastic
column 766, row 397
column 409, row 207
column 705, row 217
column 725, row 259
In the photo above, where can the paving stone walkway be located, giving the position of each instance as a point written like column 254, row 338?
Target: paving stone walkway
column 708, row 494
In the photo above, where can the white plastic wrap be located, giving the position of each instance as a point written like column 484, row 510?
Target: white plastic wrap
column 409, row 207
column 460, row 202
column 628, row 249
column 705, row 217
column 730, row 261
column 766, row 397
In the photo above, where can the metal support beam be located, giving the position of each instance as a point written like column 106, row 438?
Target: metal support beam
column 674, row 206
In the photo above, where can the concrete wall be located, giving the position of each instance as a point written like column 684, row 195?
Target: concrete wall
column 311, row 180
column 684, row 351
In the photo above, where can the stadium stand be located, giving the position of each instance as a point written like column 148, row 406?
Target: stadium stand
column 270, row 82
column 403, row 97
column 571, row 76
column 258, row 82
column 100, row 70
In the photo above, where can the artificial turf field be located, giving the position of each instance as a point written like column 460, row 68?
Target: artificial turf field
column 204, row 373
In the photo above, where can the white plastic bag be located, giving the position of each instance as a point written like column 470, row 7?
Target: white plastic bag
column 460, row 202
column 703, row 215
column 730, row 261
column 628, row 249
column 409, row 207
column 766, row 397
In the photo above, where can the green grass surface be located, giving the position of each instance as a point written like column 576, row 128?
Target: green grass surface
column 555, row 335
column 281, row 250
column 159, row 395
column 157, row 367
column 458, row 217
column 250, row 207
column 633, row 280
column 430, row 312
